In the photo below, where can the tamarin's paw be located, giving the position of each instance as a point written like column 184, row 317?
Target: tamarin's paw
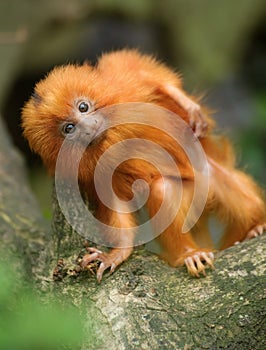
column 196, row 117
column 194, row 262
column 197, row 120
column 255, row 231
column 108, row 260
column 97, row 255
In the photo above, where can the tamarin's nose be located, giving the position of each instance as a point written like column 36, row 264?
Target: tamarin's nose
column 88, row 125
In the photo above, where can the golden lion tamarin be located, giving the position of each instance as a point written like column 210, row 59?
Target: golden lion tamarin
column 66, row 103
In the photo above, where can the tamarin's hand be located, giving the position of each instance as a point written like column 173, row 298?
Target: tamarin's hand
column 65, row 105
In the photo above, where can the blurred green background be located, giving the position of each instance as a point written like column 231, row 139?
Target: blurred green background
column 29, row 320
column 219, row 46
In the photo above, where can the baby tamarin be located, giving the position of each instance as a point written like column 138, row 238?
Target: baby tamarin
column 66, row 102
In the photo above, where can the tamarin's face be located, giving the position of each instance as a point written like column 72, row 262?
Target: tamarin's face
column 57, row 105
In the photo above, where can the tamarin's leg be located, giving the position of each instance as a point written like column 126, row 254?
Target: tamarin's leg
column 239, row 205
column 201, row 233
column 123, row 241
column 178, row 248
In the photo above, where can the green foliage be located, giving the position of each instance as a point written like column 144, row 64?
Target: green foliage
column 252, row 142
column 28, row 323
column 41, row 184
column 261, row 110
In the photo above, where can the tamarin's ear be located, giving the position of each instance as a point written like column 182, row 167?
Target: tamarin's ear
column 195, row 115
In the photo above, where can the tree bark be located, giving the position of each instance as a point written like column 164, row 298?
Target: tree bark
column 23, row 231
column 149, row 305
column 145, row 304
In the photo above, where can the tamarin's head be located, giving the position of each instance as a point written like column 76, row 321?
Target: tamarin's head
column 57, row 104
column 70, row 94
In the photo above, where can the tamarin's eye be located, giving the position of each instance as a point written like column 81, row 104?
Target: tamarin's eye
column 69, row 128
column 83, row 107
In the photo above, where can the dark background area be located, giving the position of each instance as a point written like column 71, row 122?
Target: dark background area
column 218, row 47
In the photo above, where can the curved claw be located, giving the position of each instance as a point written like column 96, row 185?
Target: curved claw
column 95, row 254
column 255, row 232
column 194, row 263
column 108, row 260
column 209, row 258
column 93, row 250
column 100, row 271
column 104, row 266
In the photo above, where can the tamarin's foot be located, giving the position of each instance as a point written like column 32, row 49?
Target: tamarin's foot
column 108, row 260
column 255, row 231
column 194, row 261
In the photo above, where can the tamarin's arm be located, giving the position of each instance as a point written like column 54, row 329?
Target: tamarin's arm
column 147, row 74
column 196, row 117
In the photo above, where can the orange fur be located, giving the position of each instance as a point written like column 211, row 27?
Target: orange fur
column 127, row 76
